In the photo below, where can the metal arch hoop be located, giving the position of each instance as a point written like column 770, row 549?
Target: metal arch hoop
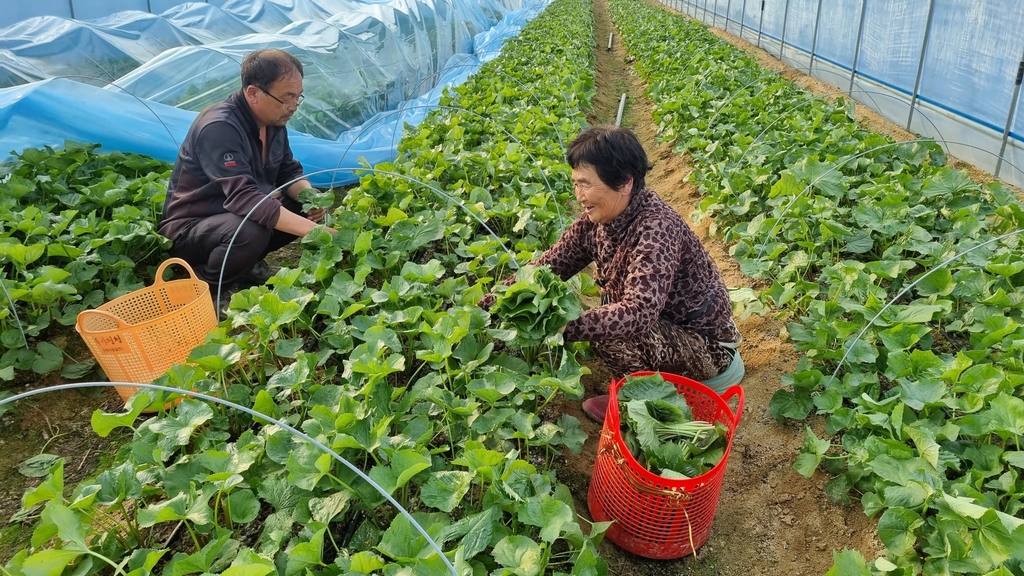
column 255, row 414
column 907, row 289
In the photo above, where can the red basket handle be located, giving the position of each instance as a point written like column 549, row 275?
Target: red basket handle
column 735, row 391
column 160, row 271
column 121, row 324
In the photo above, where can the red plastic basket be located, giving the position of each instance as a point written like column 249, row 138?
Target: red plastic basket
column 658, row 517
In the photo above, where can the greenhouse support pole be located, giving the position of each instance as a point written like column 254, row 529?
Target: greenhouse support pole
column 714, row 14
column 728, row 14
column 860, row 38
column 760, row 24
column 920, row 64
column 743, row 18
column 814, row 42
column 71, row 6
column 149, row 6
column 785, row 21
column 1011, row 114
column 705, row 17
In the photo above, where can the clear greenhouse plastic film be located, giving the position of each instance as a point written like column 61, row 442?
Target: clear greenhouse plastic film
column 363, row 62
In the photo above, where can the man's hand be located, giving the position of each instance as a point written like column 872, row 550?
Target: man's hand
column 317, row 214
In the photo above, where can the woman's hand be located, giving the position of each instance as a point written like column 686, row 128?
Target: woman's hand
column 487, row 301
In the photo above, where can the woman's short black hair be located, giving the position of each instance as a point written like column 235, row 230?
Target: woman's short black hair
column 615, row 153
column 268, row 65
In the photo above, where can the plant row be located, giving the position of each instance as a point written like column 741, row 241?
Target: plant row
column 76, row 229
column 373, row 345
column 902, row 276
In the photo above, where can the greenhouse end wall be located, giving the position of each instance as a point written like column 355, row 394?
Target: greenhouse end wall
column 943, row 69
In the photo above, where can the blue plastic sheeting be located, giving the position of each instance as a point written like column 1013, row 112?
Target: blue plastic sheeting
column 972, row 57
column 47, row 112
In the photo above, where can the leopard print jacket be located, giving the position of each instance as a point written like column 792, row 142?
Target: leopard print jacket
column 650, row 264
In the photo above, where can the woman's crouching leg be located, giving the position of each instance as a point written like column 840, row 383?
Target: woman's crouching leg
column 665, row 348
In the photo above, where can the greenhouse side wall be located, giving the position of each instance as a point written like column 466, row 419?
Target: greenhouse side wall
column 944, row 69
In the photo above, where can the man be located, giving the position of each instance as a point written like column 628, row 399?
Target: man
column 664, row 305
column 234, row 155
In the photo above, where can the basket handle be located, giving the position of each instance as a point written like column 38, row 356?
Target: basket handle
column 163, row 266
column 735, row 391
column 121, row 325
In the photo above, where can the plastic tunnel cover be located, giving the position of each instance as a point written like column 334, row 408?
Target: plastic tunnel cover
column 362, row 62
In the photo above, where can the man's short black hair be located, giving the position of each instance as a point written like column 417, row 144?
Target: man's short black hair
column 615, row 153
column 267, row 65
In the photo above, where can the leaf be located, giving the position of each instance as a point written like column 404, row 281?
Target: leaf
column 78, row 369
column 937, row 283
column 189, row 415
column 244, row 506
column 811, row 453
column 410, row 235
column 785, row 404
column 919, row 393
column 366, row 563
column 652, row 387
column 216, row 357
column 305, row 555
column 896, row 529
column 520, row 554
column 475, row 531
column 49, row 489
column 325, row 509
column 948, row 182
column 49, row 562
column 548, row 514
column 103, row 423
column 822, row 176
column 573, row 437
column 48, row 358
column 38, row 465
column 924, row 439
column 264, row 404
column 248, row 570
column 402, row 542
column 902, row 336
column 444, row 490
column 848, row 563
column 70, row 528
column 181, row 507
column 407, row 463
column 1006, row 414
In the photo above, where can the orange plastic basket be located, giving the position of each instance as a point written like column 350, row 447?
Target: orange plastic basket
column 137, row 337
column 658, row 517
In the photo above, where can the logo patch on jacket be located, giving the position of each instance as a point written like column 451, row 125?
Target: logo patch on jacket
column 229, row 160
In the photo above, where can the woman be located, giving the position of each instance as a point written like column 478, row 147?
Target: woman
column 664, row 305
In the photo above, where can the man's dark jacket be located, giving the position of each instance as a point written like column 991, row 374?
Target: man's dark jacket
column 220, row 168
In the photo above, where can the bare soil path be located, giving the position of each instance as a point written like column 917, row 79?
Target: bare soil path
column 770, row 520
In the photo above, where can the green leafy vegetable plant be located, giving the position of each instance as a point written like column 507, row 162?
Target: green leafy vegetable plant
column 661, row 432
